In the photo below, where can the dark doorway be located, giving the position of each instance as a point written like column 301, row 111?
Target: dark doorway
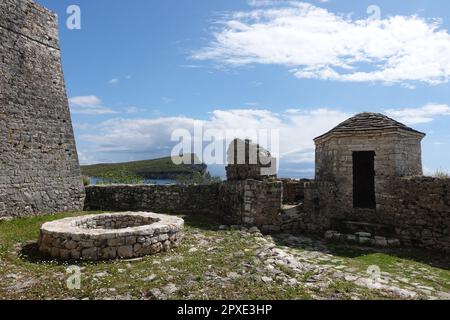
column 364, row 180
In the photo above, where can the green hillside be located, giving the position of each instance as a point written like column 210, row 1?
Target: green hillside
column 162, row 168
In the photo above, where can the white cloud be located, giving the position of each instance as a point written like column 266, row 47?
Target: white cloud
column 81, row 126
column 167, row 100
column 315, row 43
column 83, row 101
column 420, row 115
column 88, row 105
column 151, row 136
column 131, row 110
column 114, row 81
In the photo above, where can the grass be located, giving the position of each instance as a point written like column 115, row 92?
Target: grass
column 162, row 168
column 200, row 268
column 182, row 267
column 427, row 268
column 441, row 174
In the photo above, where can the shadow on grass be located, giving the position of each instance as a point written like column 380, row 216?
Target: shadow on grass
column 434, row 259
column 202, row 221
column 30, row 253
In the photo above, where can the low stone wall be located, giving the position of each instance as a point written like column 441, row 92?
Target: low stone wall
column 293, row 190
column 252, row 203
column 249, row 202
column 231, row 202
column 414, row 210
column 419, row 209
column 172, row 199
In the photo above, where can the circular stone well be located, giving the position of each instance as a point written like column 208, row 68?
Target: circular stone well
column 110, row 236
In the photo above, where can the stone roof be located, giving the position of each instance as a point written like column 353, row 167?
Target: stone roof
column 369, row 121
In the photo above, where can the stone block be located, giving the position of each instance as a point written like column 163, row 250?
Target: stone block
column 125, row 251
column 90, row 254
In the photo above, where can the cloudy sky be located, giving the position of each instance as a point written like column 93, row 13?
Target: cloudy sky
column 137, row 71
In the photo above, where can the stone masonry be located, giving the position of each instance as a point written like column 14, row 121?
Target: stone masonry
column 251, row 203
column 247, row 160
column 397, row 151
column 39, row 170
column 175, row 199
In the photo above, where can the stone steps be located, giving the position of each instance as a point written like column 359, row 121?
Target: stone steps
column 362, row 238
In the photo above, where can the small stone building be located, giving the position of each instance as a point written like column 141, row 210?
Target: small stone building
column 363, row 153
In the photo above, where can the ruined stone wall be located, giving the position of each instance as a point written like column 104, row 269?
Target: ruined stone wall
column 249, row 202
column 321, row 206
column 231, row 202
column 414, row 210
column 293, row 190
column 419, row 210
column 247, row 160
column 39, row 170
column 252, row 203
column 172, row 199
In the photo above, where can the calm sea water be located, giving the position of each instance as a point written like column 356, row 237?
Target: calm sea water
column 95, row 180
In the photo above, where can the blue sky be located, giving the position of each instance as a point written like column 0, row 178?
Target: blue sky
column 137, row 70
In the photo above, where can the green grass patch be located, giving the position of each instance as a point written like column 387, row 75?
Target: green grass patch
column 209, row 264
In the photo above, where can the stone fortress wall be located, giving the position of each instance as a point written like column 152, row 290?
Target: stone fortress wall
column 175, row 199
column 39, row 170
column 416, row 211
column 410, row 211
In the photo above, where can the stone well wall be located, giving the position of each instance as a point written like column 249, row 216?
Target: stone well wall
column 172, row 199
column 110, row 236
column 39, row 170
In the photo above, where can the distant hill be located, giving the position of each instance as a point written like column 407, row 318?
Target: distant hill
column 162, row 168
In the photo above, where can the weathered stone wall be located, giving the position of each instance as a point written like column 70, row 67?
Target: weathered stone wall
column 247, row 160
column 252, row 203
column 414, row 210
column 419, row 209
column 174, row 199
column 315, row 214
column 293, row 190
column 249, row 202
column 231, row 202
column 39, row 170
